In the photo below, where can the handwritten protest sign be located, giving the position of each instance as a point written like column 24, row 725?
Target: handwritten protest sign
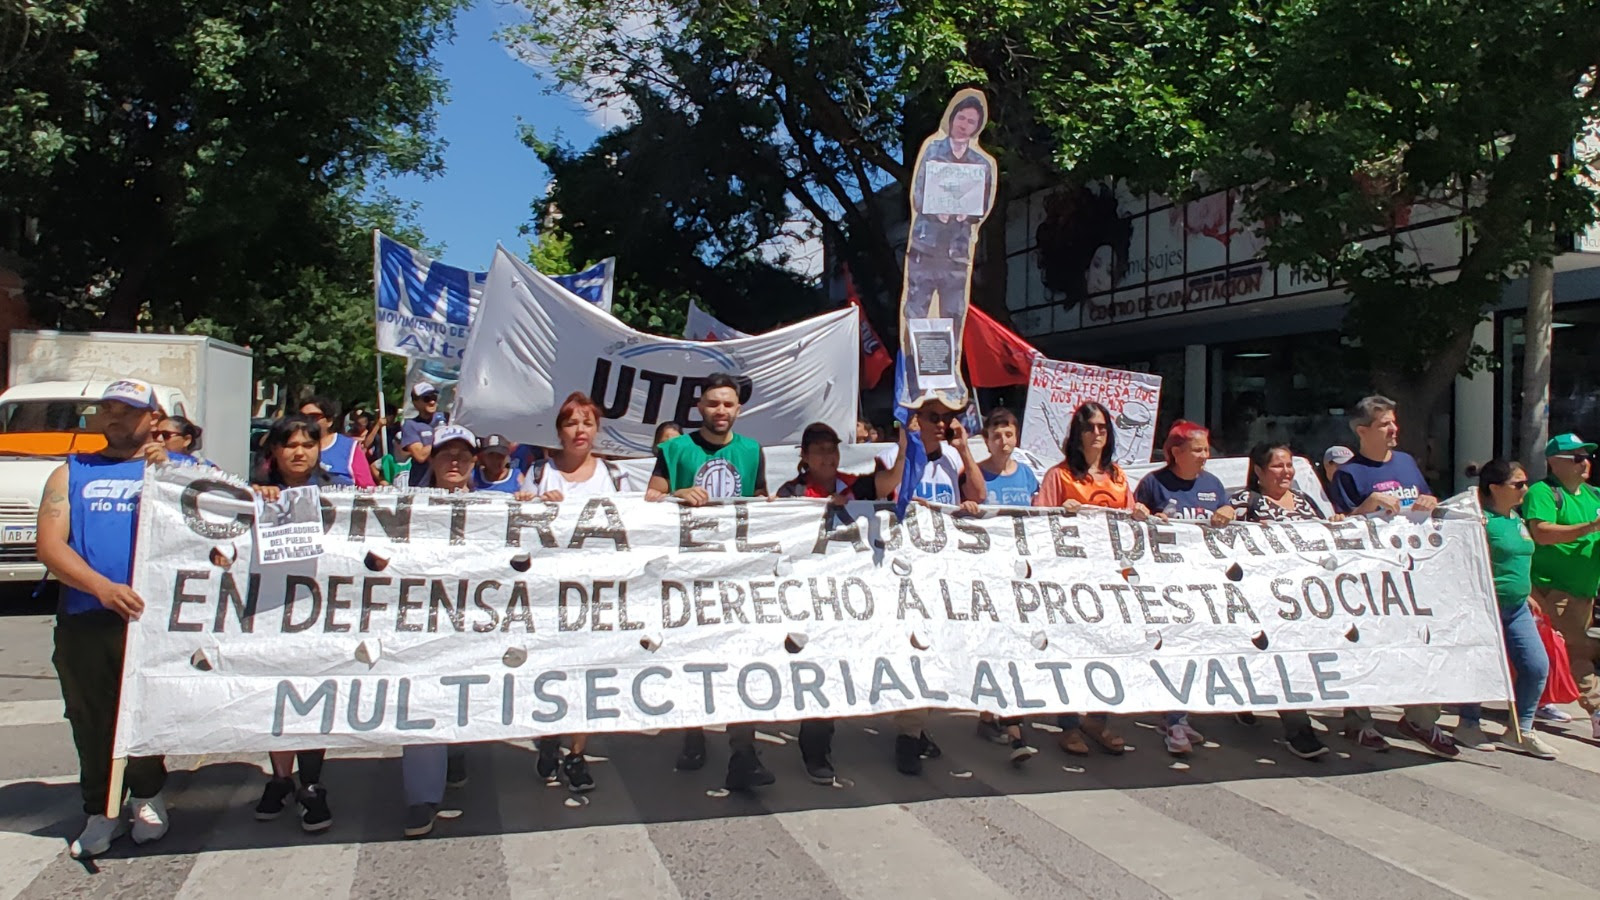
column 1056, row 389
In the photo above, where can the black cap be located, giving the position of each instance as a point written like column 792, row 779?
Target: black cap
column 496, row 443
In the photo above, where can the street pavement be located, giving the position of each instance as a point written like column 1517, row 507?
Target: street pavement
column 1244, row 820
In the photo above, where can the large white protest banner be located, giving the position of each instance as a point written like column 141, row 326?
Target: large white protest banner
column 437, row 617
column 534, row 344
column 1056, row 389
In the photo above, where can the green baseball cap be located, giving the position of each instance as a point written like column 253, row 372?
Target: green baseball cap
column 1567, row 443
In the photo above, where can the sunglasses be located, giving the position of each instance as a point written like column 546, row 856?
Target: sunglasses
column 164, row 435
column 1518, row 485
column 938, row 417
column 1098, row 428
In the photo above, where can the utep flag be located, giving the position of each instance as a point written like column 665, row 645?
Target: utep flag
column 592, row 284
column 424, row 307
column 996, row 356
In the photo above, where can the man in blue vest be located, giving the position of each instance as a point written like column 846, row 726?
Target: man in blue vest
column 87, row 521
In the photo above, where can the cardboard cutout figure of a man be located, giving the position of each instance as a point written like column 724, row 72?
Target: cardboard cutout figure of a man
column 953, row 191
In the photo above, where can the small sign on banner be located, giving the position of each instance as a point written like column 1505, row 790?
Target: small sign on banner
column 289, row 529
column 1055, row 391
column 933, row 353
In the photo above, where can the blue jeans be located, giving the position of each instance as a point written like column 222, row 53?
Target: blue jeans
column 1530, row 665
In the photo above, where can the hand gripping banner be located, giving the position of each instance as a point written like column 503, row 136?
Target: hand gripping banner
column 952, row 191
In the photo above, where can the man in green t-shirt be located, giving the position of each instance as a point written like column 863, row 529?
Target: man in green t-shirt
column 1563, row 515
column 712, row 463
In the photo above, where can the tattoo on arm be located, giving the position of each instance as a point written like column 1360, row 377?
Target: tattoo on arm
column 56, row 504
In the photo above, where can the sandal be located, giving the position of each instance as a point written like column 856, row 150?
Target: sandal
column 1104, row 737
column 1072, row 742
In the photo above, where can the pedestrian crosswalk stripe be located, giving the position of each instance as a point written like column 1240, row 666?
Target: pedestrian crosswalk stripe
column 876, row 851
column 313, row 870
column 1180, row 861
column 1542, row 806
column 30, row 712
column 1449, row 860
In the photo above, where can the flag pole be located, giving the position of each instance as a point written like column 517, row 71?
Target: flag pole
column 377, row 354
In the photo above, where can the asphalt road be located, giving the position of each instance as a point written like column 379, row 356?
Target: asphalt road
column 1244, row 819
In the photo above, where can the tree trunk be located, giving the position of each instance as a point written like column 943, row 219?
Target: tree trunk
column 1419, row 399
column 1537, row 326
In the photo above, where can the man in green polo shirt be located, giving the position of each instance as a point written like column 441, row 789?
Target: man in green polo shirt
column 1563, row 515
column 712, row 463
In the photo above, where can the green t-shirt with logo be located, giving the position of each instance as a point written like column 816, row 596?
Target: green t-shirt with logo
column 1573, row 567
column 1510, row 557
column 391, row 469
column 734, row 469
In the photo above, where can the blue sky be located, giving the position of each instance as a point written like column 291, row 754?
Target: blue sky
column 490, row 178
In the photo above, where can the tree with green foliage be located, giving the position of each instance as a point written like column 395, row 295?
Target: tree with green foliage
column 189, row 163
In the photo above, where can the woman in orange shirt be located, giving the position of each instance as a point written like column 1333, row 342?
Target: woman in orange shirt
column 1089, row 476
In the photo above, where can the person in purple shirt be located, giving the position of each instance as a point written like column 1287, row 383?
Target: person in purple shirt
column 416, row 433
column 1381, row 479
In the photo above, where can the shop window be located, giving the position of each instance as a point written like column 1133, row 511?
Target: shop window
column 1293, row 389
column 1574, row 375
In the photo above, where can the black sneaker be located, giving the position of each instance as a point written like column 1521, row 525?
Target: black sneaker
column 455, row 773
column 576, row 770
column 820, row 770
column 549, row 758
column 1246, row 718
column 278, row 794
column 419, row 819
column 1306, row 744
column 926, row 748
column 1021, row 752
column 314, row 813
column 745, row 771
column 693, row 757
column 990, row 730
column 907, row 755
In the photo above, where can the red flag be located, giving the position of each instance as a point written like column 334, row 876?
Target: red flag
column 875, row 359
column 996, row 356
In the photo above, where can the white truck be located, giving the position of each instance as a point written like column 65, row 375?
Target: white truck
column 56, row 379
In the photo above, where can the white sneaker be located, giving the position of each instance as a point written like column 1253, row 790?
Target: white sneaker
column 1471, row 735
column 1550, row 712
column 98, row 833
column 1194, row 737
column 149, row 818
column 1178, row 741
column 1530, row 742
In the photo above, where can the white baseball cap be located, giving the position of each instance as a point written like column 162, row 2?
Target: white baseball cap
column 424, row 389
column 447, row 433
column 134, row 393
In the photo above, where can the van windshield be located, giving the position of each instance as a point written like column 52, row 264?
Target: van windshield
column 39, row 416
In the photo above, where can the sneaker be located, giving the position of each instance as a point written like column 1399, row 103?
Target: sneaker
column 1306, row 745
column 693, row 756
column 745, row 771
column 1194, row 737
column 549, row 758
column 98, row 833
column 576, row 770
column 926, row 748
column 1021, row 752
column 277, row 795
column 1470, row 734
column 907, row 755
column 1594, row 723
column 1368, row 738
column 1178, row 743
column 820, row 770
column 419, row 819
column 1530, row 742
column 314, row 813
column 455, row 773
column 149, row 818
column 990, row 730
column 1552, row 713
column 1433, row 738
column 1246, row 718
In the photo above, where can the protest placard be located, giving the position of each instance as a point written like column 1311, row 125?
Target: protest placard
column 289, row 528
column 1056, row 389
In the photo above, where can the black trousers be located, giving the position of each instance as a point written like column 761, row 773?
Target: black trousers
column 88, row 660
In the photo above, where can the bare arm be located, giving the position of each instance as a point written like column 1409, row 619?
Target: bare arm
column 1550, row 533
column 886, row 481
column 419, row 451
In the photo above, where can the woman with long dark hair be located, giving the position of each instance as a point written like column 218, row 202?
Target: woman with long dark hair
column 1502, row 485
column 293, row 459
column 1089, row 476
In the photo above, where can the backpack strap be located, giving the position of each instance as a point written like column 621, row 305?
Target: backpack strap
column 1557, row 492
